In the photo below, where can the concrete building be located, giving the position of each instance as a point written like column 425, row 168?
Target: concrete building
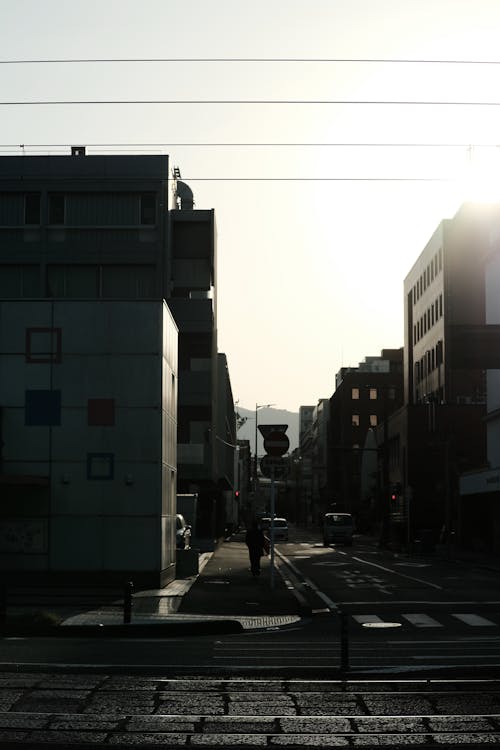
column 480, row 489
column 364, row 398
column 445, row 312
column 116, row 229
column 88, row 455
column 449, row 346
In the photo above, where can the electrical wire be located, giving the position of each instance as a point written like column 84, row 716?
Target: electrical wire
column 255, row 144
column 251, row 102
column 320, row 60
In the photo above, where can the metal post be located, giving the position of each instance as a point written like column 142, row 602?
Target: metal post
column 272, row 527
column 127, row 602
column 344, row 643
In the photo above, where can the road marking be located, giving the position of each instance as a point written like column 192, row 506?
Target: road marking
column 475, row 620
column 422, row 621
column 393, row 572
column 329, row 602
column 363, row 619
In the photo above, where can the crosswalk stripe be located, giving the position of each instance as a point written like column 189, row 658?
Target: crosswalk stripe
column 474, row 620
column 421, row 620
column 362, row 619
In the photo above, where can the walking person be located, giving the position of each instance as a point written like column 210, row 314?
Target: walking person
column 257, row 547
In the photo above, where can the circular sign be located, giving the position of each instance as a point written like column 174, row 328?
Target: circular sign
column 276, row 443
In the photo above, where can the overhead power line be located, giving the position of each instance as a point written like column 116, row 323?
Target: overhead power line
column 254, row 144
column 363, row 60
column 319, row 102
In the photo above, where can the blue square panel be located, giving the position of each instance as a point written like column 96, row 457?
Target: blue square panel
column 42, row 408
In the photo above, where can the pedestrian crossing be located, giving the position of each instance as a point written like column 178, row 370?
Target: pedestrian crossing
column 423, row 620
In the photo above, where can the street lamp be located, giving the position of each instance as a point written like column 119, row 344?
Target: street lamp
column 257, row 407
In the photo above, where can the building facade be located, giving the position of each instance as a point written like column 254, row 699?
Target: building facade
column 117, row 229
column 364, row 398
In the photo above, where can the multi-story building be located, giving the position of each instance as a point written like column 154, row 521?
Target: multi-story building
column 445, row 312
column 480, row 489
column 448, row 348
column 364, row 397
column 98, row 229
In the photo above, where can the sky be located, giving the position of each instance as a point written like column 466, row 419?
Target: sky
column 323, row 206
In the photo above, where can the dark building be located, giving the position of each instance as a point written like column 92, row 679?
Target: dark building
column 449, row 346
column 117, row 229
column 364, row 398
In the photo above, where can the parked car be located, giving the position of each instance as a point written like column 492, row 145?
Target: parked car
column 182, row 532
column 280, row 528
column 337, row 527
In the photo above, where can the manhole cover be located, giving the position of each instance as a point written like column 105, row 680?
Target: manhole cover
column 381, row 624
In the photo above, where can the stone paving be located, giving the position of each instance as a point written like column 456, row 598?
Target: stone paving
column 100, row 710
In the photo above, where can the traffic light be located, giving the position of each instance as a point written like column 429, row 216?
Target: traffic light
column 236, row 494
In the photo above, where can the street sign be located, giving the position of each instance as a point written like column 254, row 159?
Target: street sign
column 265, row 429
column 276, row 443
column 270, row 465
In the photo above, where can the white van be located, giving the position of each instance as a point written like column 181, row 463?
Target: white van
column 337, row 527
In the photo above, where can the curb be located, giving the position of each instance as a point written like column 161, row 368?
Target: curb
column 163, row 630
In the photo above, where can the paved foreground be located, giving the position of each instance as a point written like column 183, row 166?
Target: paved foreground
column 97, row 710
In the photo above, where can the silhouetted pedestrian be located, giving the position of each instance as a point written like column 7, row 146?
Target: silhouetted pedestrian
column 257, row 545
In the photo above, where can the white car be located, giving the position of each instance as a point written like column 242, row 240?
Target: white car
column 280, row 528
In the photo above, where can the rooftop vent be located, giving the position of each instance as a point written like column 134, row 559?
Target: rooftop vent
column 77, row 150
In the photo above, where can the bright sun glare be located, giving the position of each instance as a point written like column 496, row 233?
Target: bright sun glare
column 482, row 176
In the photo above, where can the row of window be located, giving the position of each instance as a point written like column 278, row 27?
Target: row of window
column 77, row 281
column 431, row 316
column 43, row 409
column 78, row 209
column 427, row 277
column 356, row 420
column 373, row 393
column 432, row 359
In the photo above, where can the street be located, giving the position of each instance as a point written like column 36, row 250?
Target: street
column 392, row 651
column 369, row 612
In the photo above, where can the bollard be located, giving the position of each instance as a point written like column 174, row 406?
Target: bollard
column 344, row 643
column 127, row 602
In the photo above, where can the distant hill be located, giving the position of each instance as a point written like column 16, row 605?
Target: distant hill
column 268, row 416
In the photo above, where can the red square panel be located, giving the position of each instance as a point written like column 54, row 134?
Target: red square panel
column 101, row 412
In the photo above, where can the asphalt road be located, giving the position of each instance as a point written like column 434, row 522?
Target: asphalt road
column 372, row 613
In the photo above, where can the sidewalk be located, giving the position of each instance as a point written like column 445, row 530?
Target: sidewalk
column 224, row 589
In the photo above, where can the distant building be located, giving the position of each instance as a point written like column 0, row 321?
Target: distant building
column 364, row 398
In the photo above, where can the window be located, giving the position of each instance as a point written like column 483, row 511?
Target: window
column 355, row 420
column 56, row 208
column 43, row 345
column 100, row 466
column 373, row 420
column 373, row 394
column 42, row 408
column 148, row 208
column 32, row 208
column 355, row 394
